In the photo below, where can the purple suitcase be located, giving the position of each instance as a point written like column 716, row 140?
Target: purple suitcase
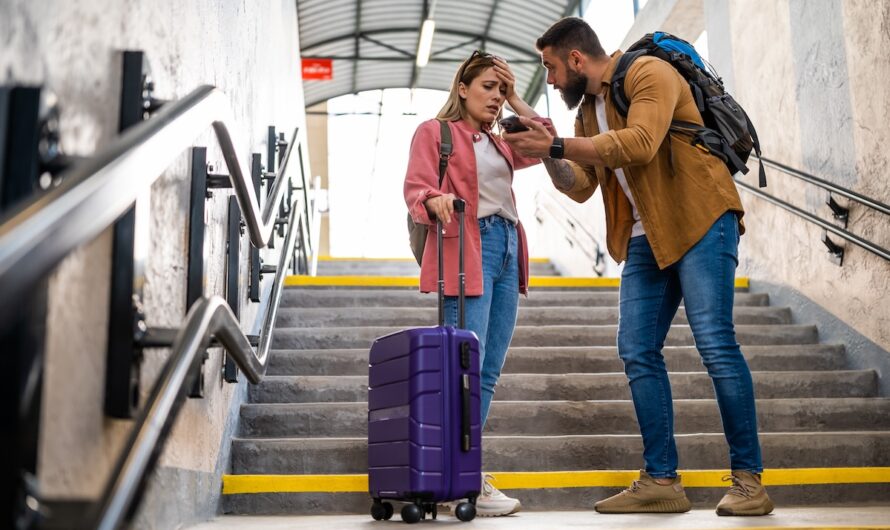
column 424, row 433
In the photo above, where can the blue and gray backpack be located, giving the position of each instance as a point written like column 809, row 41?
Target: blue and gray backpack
column 728, row 132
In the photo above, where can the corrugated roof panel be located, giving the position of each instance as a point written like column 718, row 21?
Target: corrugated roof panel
column 466, row 16
column 382, row 14
column 460, row 26
column 437, row 76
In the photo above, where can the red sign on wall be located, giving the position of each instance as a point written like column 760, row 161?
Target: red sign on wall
column 318, row 69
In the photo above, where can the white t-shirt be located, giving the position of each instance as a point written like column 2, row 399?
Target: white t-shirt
column 495, row 194
column 619, row 173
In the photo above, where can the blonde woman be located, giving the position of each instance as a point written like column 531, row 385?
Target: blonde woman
column 480, row 171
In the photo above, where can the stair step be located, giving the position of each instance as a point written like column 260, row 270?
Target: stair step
column 578, row 417
column 410, row 297
column 363, row 337
column 561, row 508
column 558, row 453
column 580, row 387
column 403, row 317
column 571, row 359
column 563, row 402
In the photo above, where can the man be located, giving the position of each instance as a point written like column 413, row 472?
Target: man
column 674, row 215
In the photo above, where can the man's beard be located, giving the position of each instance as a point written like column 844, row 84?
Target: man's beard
column 576, row 86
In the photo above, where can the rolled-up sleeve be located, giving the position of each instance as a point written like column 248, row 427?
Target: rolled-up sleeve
column 422, row 177
column 653, row 88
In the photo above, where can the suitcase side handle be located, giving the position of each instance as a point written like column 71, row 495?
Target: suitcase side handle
column 460, row 208
column 465, row 413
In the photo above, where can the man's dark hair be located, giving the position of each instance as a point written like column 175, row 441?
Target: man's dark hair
column 571, row 33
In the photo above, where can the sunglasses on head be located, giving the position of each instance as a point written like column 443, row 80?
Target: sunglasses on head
column 475, row 54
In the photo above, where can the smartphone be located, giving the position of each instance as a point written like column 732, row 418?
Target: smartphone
column 512, row 124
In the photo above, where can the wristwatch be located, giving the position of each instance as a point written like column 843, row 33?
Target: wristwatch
column 557, row 148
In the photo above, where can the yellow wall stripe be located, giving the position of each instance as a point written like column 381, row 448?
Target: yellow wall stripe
column 412, row 281
column 238, row 484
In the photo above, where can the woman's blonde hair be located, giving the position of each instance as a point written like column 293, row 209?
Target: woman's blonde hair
column 455, row 107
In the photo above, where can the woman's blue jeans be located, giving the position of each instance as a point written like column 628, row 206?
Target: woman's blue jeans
column 492, row 316
column 705, row 278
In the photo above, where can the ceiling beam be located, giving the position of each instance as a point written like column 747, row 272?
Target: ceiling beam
column 487, row 30
column 445, row 31
column 412, row 84
column 456, row 46
column 387, row 46
column 358, row 38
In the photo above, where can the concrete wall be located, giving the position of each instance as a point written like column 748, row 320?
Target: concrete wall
column 683, row 18
column 813, row 78
column 251, row 51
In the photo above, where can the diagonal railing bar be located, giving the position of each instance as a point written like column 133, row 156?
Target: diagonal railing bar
column 829, row 186
column 208, row 318
column 37, row 236
column 828, row 227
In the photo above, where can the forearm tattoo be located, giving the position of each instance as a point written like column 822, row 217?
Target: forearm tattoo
column 560, row 173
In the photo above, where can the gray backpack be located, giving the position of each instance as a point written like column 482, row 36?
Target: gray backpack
column 417, row 231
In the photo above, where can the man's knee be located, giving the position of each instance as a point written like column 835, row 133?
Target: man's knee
column 631, row 349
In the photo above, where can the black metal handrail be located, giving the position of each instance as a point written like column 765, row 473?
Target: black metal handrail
column 207, row 318
column 37, row 236
column 824, row 184
column 846, row 234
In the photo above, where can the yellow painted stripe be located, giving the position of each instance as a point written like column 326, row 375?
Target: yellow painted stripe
column 562, row 281
column 413, row 281
column 237, row 484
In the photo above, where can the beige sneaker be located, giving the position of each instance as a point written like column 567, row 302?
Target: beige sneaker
column 746, row 496
column 647, row 496
column 493, row 503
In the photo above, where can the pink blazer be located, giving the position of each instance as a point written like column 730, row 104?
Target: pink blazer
column 460, row 179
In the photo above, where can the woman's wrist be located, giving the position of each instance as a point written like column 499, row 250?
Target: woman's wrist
column 516, row 103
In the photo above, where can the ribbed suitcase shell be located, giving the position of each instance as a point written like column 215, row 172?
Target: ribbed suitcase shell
column 414, row 416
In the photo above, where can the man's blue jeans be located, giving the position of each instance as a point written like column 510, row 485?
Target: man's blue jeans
column 492, row 316
column 705, row 279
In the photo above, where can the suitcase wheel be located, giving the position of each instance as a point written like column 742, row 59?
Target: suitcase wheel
column 381, row 511
column 411, row 513
column 465, row 511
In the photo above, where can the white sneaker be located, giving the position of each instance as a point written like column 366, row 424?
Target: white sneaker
column 493, row 503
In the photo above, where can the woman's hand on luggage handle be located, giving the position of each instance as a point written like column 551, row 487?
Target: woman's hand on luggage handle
column 442, row 207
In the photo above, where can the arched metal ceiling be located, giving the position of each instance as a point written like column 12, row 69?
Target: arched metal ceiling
column 373, row 43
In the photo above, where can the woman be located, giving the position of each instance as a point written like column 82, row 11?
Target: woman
column 480, row 171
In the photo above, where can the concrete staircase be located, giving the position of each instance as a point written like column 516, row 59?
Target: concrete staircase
column 562, row 404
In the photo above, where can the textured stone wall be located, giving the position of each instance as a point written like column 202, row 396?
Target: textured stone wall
column 251, row 51
column 813, row 78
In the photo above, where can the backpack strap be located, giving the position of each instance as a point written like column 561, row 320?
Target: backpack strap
column 712, row 142
column 619, row 97
column 445, row 148
column 762, row 179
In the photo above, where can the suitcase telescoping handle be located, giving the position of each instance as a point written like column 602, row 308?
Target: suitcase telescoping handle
column 459, row 207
